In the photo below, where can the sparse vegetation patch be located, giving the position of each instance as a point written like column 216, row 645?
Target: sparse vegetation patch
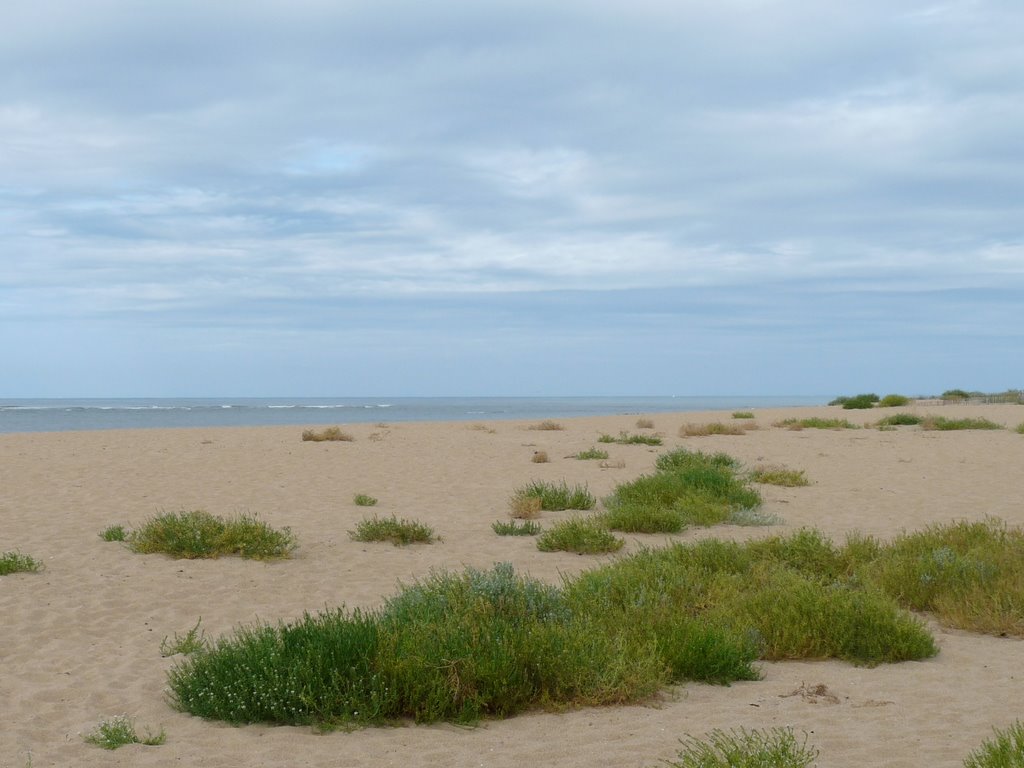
column 363, row 500
column 644, row 424
column 583, row 535
column 899, row 420
column 773, row 748
column 198, row 534
column 114, row 533
column 742, row 415
column 16, row 562
column 714, row 428
column 552, row 497
column 328, row 434
column 1004, row 750
column 771, row 475
column 625, row 438
column 942, row 424
column 398, row 532
column 592, row 453
column 512, row 528
column 547, row 426
column 192, row 641
column 815, row 423
column 118, row 731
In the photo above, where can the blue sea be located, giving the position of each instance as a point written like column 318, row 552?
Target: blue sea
column 57, row 415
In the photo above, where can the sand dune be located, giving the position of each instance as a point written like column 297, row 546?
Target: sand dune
column 80, row 641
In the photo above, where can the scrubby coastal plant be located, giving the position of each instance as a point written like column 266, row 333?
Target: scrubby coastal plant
column 773, row 748
column 492, row 643
column 625, row 438
column 688, row 488
column 198, row 534
column 16, row 562
column 714, row 428
column 742, row 415
column 583, row 535
column 363, row 500
column 192, row 641
column 942, row 424
column 592, row 453
column 899, row 420
column 770, row 475
column 1020, row 428
column 328, row 434
column 512, row 528
column 1004, row 750
column 815, row 423
column 398, row 532
column 644, row 424
column 118, row 731
column 857, row 402
column 893, row 401
column 552, row 496
column 114, row 533
column 547, row 426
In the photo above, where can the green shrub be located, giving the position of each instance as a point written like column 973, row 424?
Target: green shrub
column 1020, row 428
column 1004, row 750
column 114, row 533
column 192, row 641
column 398, row 532
column 198, row 534
column 899, row 420
column 16, row 562
column 689, row 488
column 970, row 575
column 815, row 423
column 956, row 394
column 943, row 424
column 512, row 528
column 555, row 497
column 774, row 748
column 362, row 500
column 893, row 401
column 790, row 478
column 328, row 434
column 585, row 536
column 118, row 731
column 605, row 438
column 742, row 415
column 592, row 453
column 625, row 438
column 859, row 402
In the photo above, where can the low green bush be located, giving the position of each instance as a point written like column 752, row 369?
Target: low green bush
column 625, row 438
column 114, row 533
column 773, row 748
column 398, row 532
column 193, row 641
column 742, row 415
column 512, row 528
column 583, row 535
column 893, row 401
column 119, row 731
column 789, row 478
column 592, row 453
column 942, row 424
column 198, row 534
column 362, row 500
column 815, row 422
column 899, row 420
column 555, row 496
column 16, row 562
column 860, row 402
column 1004, row 750
column 328, row 434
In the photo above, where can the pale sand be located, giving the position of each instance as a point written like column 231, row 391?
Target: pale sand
column 80, row 641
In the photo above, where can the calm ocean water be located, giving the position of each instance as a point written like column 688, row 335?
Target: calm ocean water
column 52, row 415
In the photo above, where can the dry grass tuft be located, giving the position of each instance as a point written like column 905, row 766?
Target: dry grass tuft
column 540, row 457
column 644, row 424
column 328, row 434
column 547, row 426
column 714, row 428
column 524, row 507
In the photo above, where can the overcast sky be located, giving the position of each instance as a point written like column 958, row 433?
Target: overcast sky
column 326, row 197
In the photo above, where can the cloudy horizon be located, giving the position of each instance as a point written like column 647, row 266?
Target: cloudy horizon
column 510, row 198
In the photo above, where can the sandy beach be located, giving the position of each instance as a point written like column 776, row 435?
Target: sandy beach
column 80, row 641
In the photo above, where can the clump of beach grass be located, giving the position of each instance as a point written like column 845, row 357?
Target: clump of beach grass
column 363, row 500
column 16, row 562
column 1020, row 428
column 943, row 424
column 595, row 453
column 893, row 401
column 899, row 420
column 644, row 424
column 714, row 428
column 775, row 475
column 740, row 748
column 552, row 496
column 583, row 535
column 460, row 647
column 119, row 731
column 1004, row 750
column 192, row 641
column 626, row 438
column 688, row 488
column 399, row 532
column 192, row 534
column 815, row 422
column 742, row 415
column 513, row 528
column 547, row 426
column 540, row 457
column 327, row 434
column 114, row 533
